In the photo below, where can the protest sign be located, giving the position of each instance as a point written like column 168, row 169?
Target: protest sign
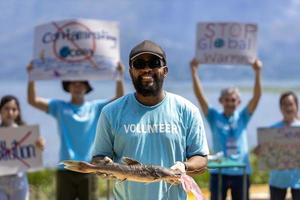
column 226, row 43
column 279, row 148
column 18, row 151
column 78, row 49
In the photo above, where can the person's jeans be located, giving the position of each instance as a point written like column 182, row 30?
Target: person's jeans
column 235, row 183
column 14, row 187
column 280, row 193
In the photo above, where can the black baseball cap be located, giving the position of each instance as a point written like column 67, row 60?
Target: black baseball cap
column 65, row 85
column 148, row 47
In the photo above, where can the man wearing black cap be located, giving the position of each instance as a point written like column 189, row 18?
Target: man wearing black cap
column 151, row 126
column 77, row 120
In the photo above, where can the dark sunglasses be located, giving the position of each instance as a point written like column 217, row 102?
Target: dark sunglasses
column 152, row 63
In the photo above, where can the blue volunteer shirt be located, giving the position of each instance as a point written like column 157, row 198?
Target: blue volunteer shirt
column 159, row 135
column 285, row 178
column 77, row 127
column 230, row 137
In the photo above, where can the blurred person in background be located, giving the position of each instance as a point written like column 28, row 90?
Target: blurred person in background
column 228, row 129
column 14, row 186
column 77, row 120
column 281, row 180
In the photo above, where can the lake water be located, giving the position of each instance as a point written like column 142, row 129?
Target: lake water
column 266, row 114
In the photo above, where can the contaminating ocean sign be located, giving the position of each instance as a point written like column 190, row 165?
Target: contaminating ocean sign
column 279, row 148
column 18, row 152
column 77, row 49
column 226, row 43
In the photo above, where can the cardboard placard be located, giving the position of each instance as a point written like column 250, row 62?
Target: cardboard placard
column 18, row 152
column 78, row 49
column 226, row 43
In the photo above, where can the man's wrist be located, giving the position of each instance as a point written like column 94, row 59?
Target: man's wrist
column 185, row 166
column 179, row 165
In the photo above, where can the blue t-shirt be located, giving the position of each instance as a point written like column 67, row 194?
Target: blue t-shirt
column 160, row 135
column 230, row 137
column 289, row 177
column 77, row 127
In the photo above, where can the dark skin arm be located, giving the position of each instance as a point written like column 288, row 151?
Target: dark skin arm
column 196, row 165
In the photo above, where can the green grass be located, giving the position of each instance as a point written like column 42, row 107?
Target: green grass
column 42, row 184
column 258, row 176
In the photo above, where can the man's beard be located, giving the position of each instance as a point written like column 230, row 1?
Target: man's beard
column 152, row 90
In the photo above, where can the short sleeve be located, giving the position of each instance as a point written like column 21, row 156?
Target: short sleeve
column 245, row 116
column 211, row 115
column 53, row 107
column 196, row 137
column 104, row 138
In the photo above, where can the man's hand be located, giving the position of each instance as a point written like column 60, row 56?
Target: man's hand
column 194, row 64
column 257, row 65
column 179, row 166
column 120, row 71
column 29, row 67
column 40, row 143
column 103, row 161
column 257, row 150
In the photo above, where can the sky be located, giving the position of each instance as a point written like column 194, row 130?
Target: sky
column 170, row 23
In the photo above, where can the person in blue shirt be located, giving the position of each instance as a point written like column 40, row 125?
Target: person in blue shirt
column 77, row 120
column 228, row 129
column 281, row 180
column 151, row 126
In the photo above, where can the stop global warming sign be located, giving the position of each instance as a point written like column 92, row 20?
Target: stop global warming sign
column 226, row 43
column 79, row 49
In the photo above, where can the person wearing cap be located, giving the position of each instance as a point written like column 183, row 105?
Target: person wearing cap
column 228, row 129
column 77, row 120
column 152, row 126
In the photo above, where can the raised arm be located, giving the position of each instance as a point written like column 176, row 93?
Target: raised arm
column 37, row 102
column 257, row 65
column 119, row 81
column 198, row 87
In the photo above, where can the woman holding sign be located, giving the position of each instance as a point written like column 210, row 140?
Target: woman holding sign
column 13, row 187
column 281, row 180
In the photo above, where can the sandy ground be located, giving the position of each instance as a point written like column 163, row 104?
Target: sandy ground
column 257, row 192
